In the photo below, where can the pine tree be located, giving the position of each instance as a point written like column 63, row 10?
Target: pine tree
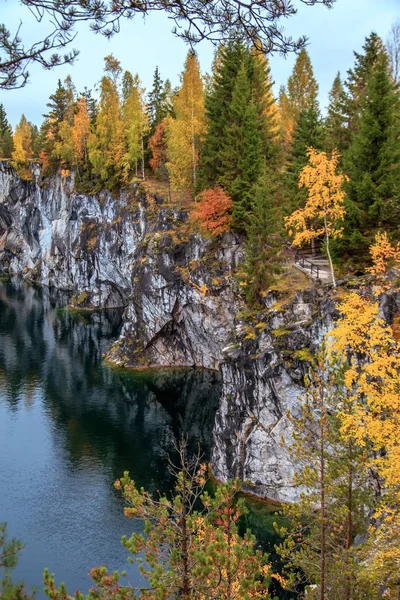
column 335, row 131
column 241, row 156
column 35, row 140
column 185, row 132
column 262, row 240
column 191, row 549
column 9, row 555
column 61, row 105
column 6, row 139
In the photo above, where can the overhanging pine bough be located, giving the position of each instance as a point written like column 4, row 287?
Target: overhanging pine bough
column 195, row 20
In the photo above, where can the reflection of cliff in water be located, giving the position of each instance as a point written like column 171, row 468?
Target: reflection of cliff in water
column 124, row 420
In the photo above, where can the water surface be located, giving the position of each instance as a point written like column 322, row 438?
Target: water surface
column 70, row 426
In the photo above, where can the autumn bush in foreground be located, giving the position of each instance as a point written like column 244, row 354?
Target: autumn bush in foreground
column 213, row 212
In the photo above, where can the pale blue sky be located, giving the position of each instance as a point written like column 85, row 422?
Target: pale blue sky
column 143, row 44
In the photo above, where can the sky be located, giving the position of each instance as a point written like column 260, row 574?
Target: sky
column 142, row 44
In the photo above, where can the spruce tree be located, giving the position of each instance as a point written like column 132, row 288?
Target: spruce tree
column 357, row 79
column 302, row 128
column 167, row 99
column 6, row 140
column 155, row 104
column 372, row 161
column 61, row 105
column 307, row 133
column 302, row 87
column 228, row 60
column 267, row 110
column 262, row 239
column 91, row 104
column 241, row 157
column 286, row 121
column 335, row 131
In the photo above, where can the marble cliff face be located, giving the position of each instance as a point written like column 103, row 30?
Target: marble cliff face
column 182, row 307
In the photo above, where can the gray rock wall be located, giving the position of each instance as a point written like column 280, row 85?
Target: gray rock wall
column 181, row 308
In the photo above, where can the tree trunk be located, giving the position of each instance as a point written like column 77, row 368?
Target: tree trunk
column 142, row 159
column 329, row 253
column 193, row 150
column 349, row 527
column 313, row 252
column 322, row 486
column 185, row 549
column 323, row 523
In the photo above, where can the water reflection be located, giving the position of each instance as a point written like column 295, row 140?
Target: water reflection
column 70, row 426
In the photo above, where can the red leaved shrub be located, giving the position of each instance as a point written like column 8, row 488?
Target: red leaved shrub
column 213, row 211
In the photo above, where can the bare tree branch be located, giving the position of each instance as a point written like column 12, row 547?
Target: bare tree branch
column 258, row 21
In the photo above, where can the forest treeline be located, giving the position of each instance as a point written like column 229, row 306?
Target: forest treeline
column 225, row 135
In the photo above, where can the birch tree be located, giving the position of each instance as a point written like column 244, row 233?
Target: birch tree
column 324, row 208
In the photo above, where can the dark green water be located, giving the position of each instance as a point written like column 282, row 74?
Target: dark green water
column 70, row 426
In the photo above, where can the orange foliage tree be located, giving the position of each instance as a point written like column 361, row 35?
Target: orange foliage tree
column 325, row 204
column 213, row 211
column 158, row 146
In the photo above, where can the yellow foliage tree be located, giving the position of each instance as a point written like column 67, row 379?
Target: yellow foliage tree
column 325, row 203
column 106, row 145
column 373, row 376
column 385, row 257
column 364, row 343
column 186, row 130
column 22, row 148
column 81, row 132
column 64, row 145
column 136, row 125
